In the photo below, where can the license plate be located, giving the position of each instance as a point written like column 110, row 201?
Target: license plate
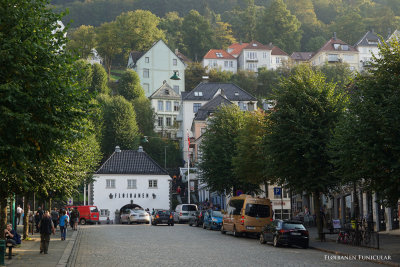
column 250, row 228
column 295, row 233
column 164, row 221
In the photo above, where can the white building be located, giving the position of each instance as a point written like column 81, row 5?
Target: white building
column 220, row 60
column 156, row 65
column 367, row 46
column 94, row 57
column 278, row 57
column 254, row 56
column 166, row 103
column 129, row 177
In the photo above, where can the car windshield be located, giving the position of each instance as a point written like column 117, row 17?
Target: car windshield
column 257, row 210
column 163, row 212
column 293, row 226
column 94, row 209
column 139, row 211
column 189, row 208
column 217, row 214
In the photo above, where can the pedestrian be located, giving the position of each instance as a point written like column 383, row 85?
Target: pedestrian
column 64, row 219
column 75, row 218
column 54, row 217
column 12, row 236
column 37, row 220
column 19, row 212
column 46, row 227
column 71, row 221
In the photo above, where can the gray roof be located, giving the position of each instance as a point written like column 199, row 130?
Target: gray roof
column 368, row 38
column 206, row 91
column 131, row 162
column 135, row 55
column 211, row 106
column 301, row 56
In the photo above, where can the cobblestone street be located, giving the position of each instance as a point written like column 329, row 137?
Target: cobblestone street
column 182, row 245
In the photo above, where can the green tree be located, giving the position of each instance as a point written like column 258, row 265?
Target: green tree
column 120, row 127
column 129, row 85
column 171, row 24
column 247, row 80
column 108, row 43
column 280, row 27
column 99, row 80
column 218, row 148
column 249, row 162
column 193, row 75
column 220, row 76
column 85, row 73
column 144, row 115
column 349, row 26
column 297, row 134
column 197, row 35
column 340, row 74
column 82, row 41
column 366, row 141
column 41, row 103
column 137, row 30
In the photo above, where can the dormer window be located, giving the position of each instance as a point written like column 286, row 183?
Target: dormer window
column 167, row 91
column 372, row 42
column 336, row 46
column 218, row 54
column 198, row 93
column 254, row 44
column 236, row 93
column 345, row 47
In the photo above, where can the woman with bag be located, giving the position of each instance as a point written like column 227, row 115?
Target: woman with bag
column 64, row 219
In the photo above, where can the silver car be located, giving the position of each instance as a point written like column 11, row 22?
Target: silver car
column 183, row 212
column 135, row 216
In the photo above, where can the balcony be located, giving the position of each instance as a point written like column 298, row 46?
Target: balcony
column 251, row 60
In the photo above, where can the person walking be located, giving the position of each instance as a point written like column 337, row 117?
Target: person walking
column 19, row 213
column 46, row 228
column 54, row 217
column 64, row 219
column 75, row 218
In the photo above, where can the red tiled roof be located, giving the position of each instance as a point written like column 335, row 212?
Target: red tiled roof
column 276, row 51
column 329, row 46
column 237, row 48
column 213, row 54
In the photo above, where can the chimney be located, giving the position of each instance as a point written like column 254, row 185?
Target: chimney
column 140, row 149
column 205, row 79
column 117, row 149
column 176, row 51
column 334, row 35
column 164, row 82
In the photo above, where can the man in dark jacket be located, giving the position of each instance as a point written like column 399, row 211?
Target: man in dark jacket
column 46, row 227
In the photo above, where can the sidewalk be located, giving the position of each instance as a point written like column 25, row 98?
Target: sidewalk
column 28, row 253
column 389, row 246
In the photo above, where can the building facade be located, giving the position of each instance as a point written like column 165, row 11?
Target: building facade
column 219, row 60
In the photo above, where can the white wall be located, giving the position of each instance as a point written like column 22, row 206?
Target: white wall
column 161, row 68
column 219, row 64
column 103, row 201
column 260, row 62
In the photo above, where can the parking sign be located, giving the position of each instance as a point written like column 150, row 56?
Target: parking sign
column 277, row 191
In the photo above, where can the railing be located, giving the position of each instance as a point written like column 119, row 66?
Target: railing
column 363, row 235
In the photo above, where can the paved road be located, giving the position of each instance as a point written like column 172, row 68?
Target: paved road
column 182, row 245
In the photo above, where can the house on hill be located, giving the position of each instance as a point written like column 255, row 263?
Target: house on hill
column 220, row 60
column 129, row 178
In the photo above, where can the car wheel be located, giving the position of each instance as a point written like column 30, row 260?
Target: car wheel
column 204, row 226
column 190, row 224
column 275, row 242
column 147, row 222
column 83, row 221
column 235, row 233
column 262, row 240
column 305, row 245
column 222, row 230
column 172, row 224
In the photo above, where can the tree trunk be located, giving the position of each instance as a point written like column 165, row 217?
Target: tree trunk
column 356, row 213
column 317, row 207
column 3, row 215
column 26, row 217
column 50, row 204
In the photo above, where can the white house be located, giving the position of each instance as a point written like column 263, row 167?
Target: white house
column 278, row 57
column 166, row 103
column 94, row 57
column 129, row 178
column 367, row 46
column 221, row 60
column 156, row 65
column 254, row 55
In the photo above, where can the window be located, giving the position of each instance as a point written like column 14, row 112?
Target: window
column 218, row 54
column 147, row 59
column 203, row 130
column 348, row 57
column 345, row 47
column 104, row 213
column 168, row 121
column 252, row 66
column 196, row 107
column 146, row 87
column 176, row 106
column 176, row 88
column 131, row 183
column 333, row 58
column 160, row 121
column 146, row 73
column 231, row 64
column 152, row 183
column 174, row 62
column 278, row 60
column 242, row 105
column 214, row 63
column 160, row 105
column 251, row 55
column 257, row 210
column 226, row 64
column 168, row 106
column 265, row 54
column 110, row 183
column 235, row 206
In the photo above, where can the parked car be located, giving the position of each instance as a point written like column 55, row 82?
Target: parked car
column 246, row 215
column 162, row 217
column 183, row 212
column 87, row 214
column 197, row 219
column 212, row 220
column 286, row 232
column 134, row 216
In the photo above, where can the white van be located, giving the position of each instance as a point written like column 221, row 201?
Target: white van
column 183, row 212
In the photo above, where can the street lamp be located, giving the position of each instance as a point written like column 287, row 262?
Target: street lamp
column 175, row 76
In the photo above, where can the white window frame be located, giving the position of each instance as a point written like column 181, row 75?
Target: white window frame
column 110, row 183
column 160, row 121
column 168, row 106
column 196, row 107
column 176, row 106
column 153, row 183
column 146, row 73
column 131, row 184
column 160, row 105
column 168, row 121
column 174, row 62
column 146, row 59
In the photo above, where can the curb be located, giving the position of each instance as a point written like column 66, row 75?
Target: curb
column 388, row 263
column 67, row 252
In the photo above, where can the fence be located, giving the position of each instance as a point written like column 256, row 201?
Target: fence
column 362, row 236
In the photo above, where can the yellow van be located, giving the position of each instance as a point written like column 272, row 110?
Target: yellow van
column 246, row 214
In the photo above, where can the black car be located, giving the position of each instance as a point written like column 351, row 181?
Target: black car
column 286, row 232
column 198, row 218
column 162, row 217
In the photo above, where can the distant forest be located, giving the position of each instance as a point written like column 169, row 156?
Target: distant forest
column 316, row 19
